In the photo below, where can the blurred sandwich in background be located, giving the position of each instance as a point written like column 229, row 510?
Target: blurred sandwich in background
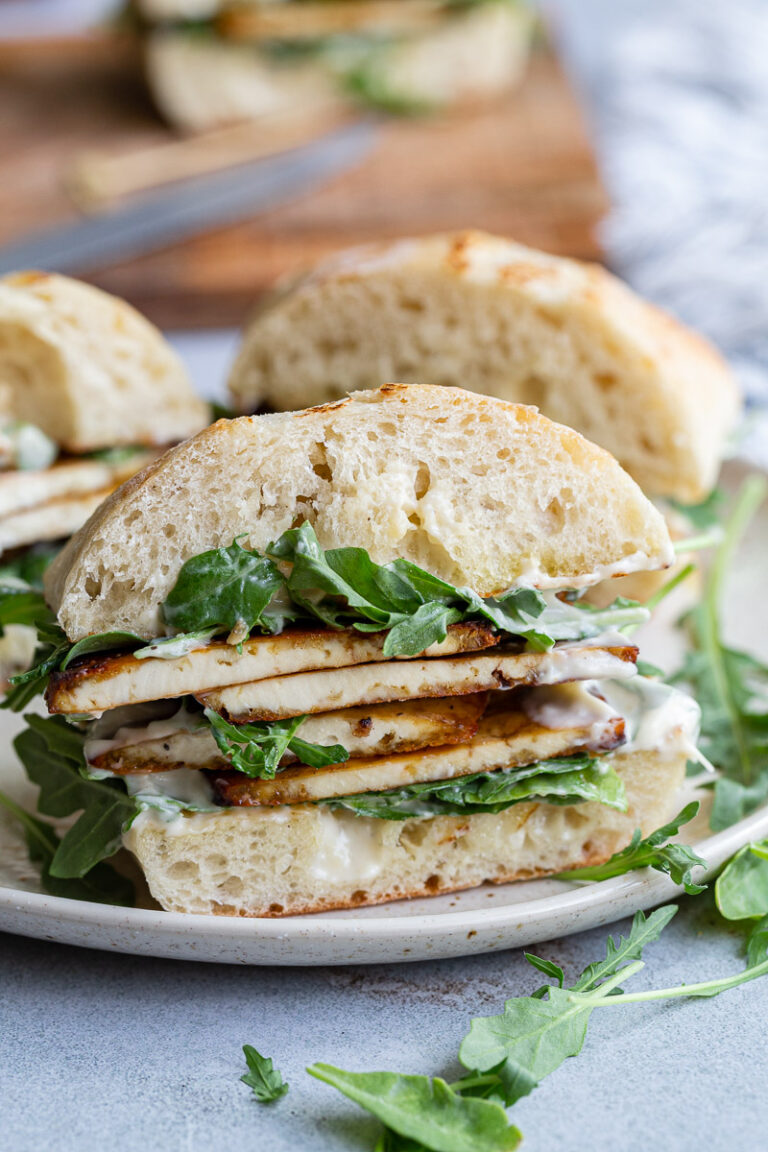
column 484, row 313
column 213, row 62
column 90, row 392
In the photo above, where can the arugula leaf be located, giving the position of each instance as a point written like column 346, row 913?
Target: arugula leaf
column 702, row 516
column 29, row 565
column 52, row 754
column 257, row 749
column 534, row 1035
column 425, row 1110
column 566, row 780
column 222, row 587
column 676, row 860
column 234, row 590
column 265, row 1081
column 741, row 889
column 730, row 686
column 102, row 885
column 99, row 642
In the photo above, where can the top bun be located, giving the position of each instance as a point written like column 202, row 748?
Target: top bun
column 481, row 312
column 479, row 492
column 88, row 369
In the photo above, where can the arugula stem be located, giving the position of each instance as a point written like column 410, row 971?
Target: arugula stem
column 750, row 498
column 710, row 539
column 619, row 978
column 704, row 989
column 674, row 582
column 473, row 1081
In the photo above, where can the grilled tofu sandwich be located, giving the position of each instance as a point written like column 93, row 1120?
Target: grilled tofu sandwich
column 342, row 656
column 216, row 63
column 89, row 393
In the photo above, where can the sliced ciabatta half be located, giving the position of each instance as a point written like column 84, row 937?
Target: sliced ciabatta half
column 479, row 492
column 482, row 312
column 89, row 370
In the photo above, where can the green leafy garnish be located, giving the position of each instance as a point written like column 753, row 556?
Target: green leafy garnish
column 103, row 884
column 741, row 889
column 20, row 604
column 565, row 780
column 344, row 588
column 100, row 642
column 222, row 588
column 676, row 860
column 264, row 1080
column 28, row 565
column 52, row 754
column 741, row 893
column 705, row 515
column 234, row 591
column 535, row 1034
column 257, row 749
column 730, row 686
column 424, row 1110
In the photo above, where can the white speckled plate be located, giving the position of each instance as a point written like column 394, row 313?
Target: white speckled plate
column 482, row 920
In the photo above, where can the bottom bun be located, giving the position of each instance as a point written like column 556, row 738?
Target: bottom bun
column 309, row 858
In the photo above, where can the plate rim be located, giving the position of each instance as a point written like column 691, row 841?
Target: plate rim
column 581, row 896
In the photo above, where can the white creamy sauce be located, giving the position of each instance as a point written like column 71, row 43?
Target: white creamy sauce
column 568, row 661
column 168, row 792
column 532, row 576
column 568, row 706
column 174, row 647
column 181, row 721
column 346, row 848
column 657, row 718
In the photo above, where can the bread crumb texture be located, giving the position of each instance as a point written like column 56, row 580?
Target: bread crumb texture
column 480, row 492
column 477, row 311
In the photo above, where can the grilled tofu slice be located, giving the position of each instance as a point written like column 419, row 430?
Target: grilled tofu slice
column 382, row 729
column 67, row 478
column 507, row 739
column 51, row 521
column 99, row 683
column 281, row 697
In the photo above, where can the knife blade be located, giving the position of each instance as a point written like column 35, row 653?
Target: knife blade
column 206, row 202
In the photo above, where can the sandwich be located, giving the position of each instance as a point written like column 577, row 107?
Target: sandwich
column 481, row 312
column 90, row 392
column 211, row 64
column 338, row 657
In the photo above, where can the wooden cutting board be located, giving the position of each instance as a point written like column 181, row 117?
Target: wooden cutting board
column 523, row 168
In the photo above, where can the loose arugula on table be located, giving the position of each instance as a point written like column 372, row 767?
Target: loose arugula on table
column 506, row 1056
column 264, row 1080
column 233, row 591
